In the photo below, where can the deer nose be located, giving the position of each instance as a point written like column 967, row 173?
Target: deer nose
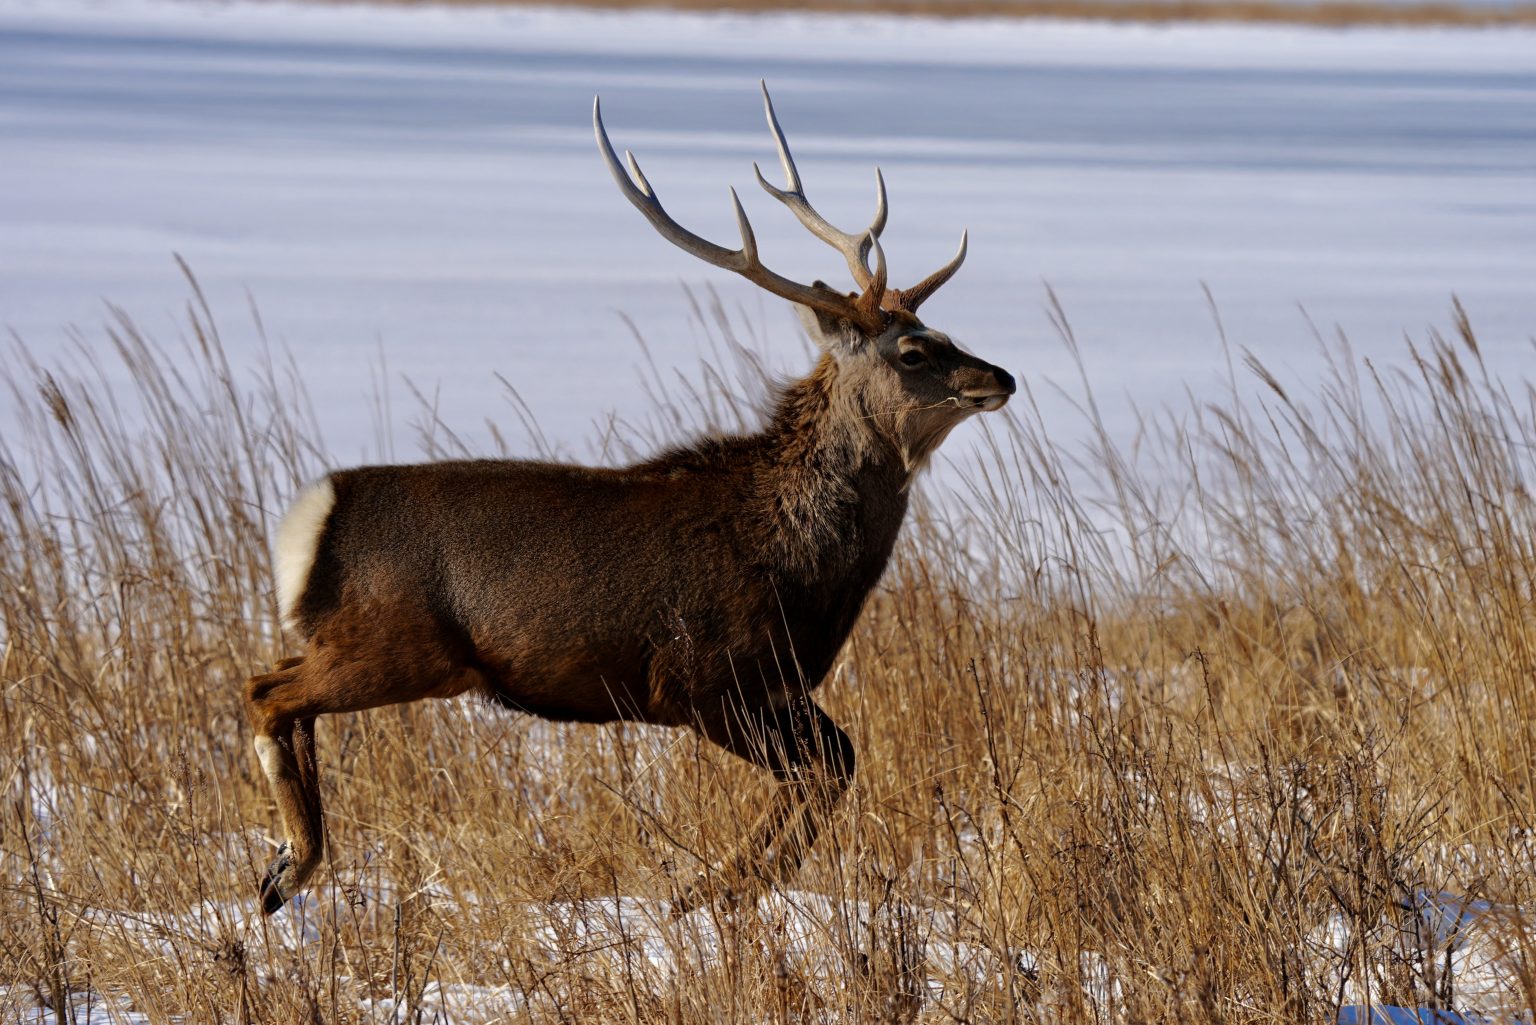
column 1004, row 380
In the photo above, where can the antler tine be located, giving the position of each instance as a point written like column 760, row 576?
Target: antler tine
column 748, row 239
column 882, row 210
column 643, row 197
column 744, row 261
column 910, row 299
column 855, row 248
column 791, row 174
column 872, row 242
column 873, row 296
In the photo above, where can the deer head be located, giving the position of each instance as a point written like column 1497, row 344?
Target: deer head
column 912, row 383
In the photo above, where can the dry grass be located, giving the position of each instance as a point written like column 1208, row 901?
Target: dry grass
column 1323, row 13
column 1171, row 733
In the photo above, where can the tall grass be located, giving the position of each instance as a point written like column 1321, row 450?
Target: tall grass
column 1203, row 727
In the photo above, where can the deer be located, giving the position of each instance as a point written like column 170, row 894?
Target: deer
column 709, row 587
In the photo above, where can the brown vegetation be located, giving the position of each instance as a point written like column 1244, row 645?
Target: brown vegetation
column 1171, row 733
column 1323, row 13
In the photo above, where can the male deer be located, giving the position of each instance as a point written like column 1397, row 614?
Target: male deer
column 708, row 587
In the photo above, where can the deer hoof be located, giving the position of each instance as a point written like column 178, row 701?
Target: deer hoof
column 272, row 895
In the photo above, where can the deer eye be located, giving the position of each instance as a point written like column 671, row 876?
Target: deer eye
column 913, row 358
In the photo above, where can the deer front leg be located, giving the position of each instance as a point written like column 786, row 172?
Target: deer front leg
column 813, row 761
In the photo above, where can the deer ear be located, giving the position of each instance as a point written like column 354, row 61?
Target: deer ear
column 831, row 334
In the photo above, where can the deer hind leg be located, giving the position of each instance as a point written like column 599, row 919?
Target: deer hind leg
column 282, row 706
column 285, row 745
column 812, row 759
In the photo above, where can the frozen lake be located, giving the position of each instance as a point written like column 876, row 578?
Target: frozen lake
column 423, row 182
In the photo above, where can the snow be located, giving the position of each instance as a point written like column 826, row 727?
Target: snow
column 1472, row 946
column 1469, row 951
column 86, row 1008
column 420, row 184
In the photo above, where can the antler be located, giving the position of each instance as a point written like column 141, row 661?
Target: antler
column 910, row 299
column 869, row 310
column 743, row 261
column 855, row 248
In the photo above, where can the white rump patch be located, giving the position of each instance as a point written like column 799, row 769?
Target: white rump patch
column 298, row 535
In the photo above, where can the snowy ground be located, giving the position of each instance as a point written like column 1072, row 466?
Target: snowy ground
column 423, row 183
column 1465, row 946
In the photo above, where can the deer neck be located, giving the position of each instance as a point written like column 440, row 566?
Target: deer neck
column 834, row 487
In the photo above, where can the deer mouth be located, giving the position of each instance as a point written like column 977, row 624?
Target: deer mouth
column 985, row 403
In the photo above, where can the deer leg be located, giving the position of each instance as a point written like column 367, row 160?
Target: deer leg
column 288, row 761
column 812, row 759
column 282, row 707
column 285, row 745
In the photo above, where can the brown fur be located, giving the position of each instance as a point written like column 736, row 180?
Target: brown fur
column 710, row 586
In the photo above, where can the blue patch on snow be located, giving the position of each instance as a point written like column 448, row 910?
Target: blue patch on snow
column 1448, row 914
column 1408, row 1016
